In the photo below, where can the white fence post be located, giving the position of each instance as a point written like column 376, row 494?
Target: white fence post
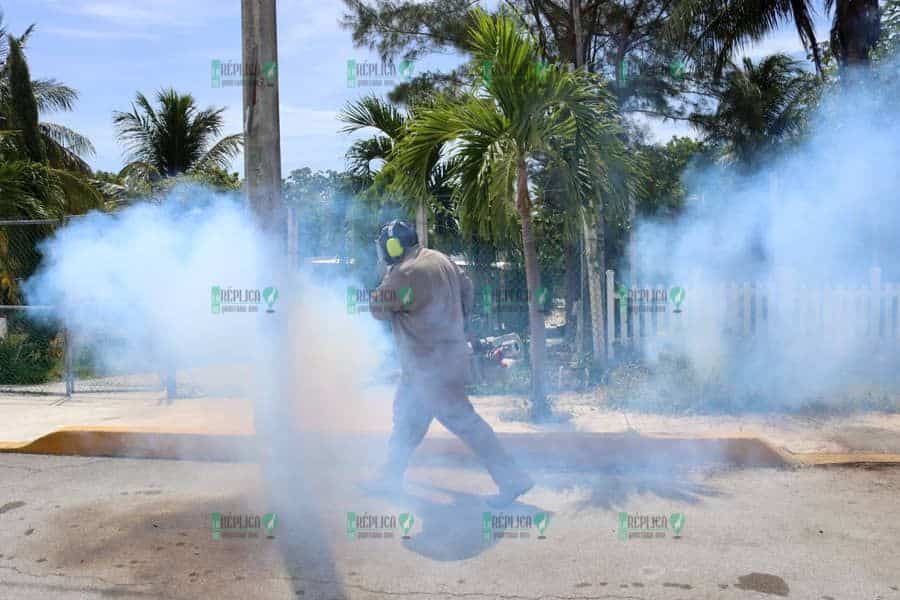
column 837, row 312
column 610, row 312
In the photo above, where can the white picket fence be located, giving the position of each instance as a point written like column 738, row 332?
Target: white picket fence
column 755, row 309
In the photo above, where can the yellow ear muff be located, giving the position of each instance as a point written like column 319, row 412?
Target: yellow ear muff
column 394, row 248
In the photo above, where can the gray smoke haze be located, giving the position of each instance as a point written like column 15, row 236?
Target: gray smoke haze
column 137, row 284
column 813, row 222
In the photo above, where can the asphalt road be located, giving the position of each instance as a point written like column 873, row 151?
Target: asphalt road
column 121, row 528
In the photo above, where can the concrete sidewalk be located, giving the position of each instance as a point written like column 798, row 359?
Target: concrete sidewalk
column 140, row 424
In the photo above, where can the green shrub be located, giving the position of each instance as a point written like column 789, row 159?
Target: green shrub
column 28, row 358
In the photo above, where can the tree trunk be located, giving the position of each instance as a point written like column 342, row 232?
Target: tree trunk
column 422, row 223
column 537, row 347
column 856, row 31
column 573, row 286
column 595, row 258
column 593, row 231
column 631, row 249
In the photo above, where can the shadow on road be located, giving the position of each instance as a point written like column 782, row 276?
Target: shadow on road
column 452, row 526
column 611, row 490
column 452, row 530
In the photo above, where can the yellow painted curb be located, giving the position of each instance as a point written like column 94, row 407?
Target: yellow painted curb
column 73, row 441
column 818, row 459
column 558, row 450
column 580, row 450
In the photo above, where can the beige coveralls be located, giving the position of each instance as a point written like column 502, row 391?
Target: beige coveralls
column 426, row 297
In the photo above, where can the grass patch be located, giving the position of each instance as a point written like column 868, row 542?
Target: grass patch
column 673, row 386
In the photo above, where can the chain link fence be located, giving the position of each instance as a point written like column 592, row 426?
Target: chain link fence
column 37, row 353
column 32, row 342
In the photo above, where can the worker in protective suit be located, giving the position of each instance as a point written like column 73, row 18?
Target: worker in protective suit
column 427, row 298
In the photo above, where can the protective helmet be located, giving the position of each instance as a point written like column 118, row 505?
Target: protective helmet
column 394, row 240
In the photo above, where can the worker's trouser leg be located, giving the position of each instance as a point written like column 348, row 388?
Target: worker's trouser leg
column 412, row 416
column 447, row 402
column 455, row 412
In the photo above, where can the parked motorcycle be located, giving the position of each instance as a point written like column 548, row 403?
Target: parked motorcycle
column 492, row 357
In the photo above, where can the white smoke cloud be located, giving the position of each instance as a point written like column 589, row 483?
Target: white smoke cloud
column 144, row 276
column 813, row 221
column 136, row 287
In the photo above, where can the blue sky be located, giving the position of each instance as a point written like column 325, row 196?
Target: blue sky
column 110, row 49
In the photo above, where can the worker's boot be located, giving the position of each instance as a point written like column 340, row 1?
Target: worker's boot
column 386, row 482
column 510, row 492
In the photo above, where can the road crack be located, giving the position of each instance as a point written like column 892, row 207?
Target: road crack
column 90, row 577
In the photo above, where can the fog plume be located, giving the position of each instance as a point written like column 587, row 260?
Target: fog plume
column 136, row 288
column 804, row 233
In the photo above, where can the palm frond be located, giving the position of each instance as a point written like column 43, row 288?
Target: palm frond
column 137, row 130
column 222, row 153
column 65, row 147
column 363, row 152
column 372, row 111
column 716, row 30
column 50, row 95
column 139, row 170
column 80, row 194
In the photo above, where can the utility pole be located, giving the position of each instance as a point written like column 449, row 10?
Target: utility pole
column 262, row 171
column 262, row 136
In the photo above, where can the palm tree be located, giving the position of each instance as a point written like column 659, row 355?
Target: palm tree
column 720, row 27
column 518, row 114
column 760, row 106
column 63, row 147
column 35, row 176
column 174, row 139
column 855, row 30
column 46, row 145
